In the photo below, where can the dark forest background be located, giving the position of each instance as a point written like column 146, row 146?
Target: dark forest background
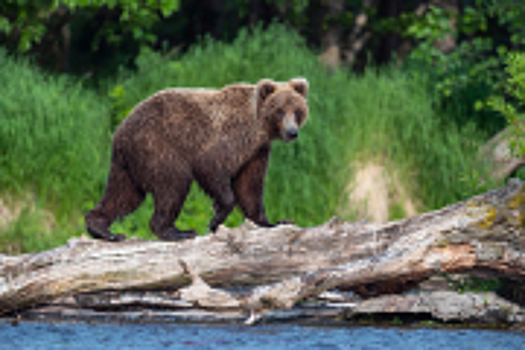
column 97, row 37
column 463, row 43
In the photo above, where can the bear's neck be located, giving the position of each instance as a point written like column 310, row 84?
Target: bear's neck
column 239, row 133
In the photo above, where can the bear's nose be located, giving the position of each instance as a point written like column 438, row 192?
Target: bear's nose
column 291, row 134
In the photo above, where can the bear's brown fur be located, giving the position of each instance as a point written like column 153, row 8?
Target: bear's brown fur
column 219, row 138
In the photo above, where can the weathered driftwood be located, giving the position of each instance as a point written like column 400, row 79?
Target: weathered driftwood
column 483, row 308
column 444, row 306
column 286, row 263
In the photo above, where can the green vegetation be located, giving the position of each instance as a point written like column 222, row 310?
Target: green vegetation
column 28, row 22
column 513, row 109
column 56, row 139
column 474, row 284
column 54, row 144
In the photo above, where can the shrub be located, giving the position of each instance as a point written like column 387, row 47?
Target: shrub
column 512, row 108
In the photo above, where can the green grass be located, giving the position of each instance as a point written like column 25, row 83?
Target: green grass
column 54, row 140
column 383, row 115
column 393, row 122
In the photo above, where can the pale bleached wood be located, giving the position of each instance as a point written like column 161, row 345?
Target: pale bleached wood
column 287, row 263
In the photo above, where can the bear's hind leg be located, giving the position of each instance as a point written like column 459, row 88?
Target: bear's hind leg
column 168, row 204
column 121, row 197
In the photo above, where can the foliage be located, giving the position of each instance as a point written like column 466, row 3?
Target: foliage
column 512, row 108
column 456, row 69
column 510, row 13
column 27, row 20
column 474, row 69
column 105, row 34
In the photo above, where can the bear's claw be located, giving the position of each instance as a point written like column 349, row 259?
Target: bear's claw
column 286, row 222
column 118, row 237
column 105, row 235
column 173, row 234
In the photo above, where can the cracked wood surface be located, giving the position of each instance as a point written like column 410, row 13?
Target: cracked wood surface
column 286, row 263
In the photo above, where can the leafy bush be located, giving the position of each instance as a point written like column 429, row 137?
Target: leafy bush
column 473, row 71
column 29, row 21
column 512, row 109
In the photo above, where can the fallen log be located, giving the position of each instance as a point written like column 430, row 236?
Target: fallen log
column 446, row 306
column 286, row 263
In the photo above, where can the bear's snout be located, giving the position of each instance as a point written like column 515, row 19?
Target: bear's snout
column 290, row 129
column 291, row 134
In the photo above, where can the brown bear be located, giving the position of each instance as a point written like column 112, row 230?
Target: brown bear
column 219, row 138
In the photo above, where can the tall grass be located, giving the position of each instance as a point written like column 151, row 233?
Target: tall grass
column 382, row 115
column 393, row 121
column 54, row 139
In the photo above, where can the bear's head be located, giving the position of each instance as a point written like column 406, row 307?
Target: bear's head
column 282, row 106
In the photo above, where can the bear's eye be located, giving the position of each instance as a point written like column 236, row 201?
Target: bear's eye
column 298, row 115
column 280, row 113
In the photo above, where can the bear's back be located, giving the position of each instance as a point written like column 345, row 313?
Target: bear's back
column 195, row 122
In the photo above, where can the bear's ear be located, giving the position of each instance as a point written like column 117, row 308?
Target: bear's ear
column 264, row 88
column 300, row 85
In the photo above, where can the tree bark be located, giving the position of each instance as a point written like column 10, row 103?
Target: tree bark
column 286, row 263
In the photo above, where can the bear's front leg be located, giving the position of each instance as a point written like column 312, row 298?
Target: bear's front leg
column 222, row 209
column 217, row 186
column 248, row 186
column 224, row 203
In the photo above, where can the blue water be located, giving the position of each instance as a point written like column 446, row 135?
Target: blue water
column 72, row 336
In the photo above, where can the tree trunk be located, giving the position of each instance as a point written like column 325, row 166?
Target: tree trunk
column 389, row 41
column 286, row 263
column 331, row 38
column 358, row 37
